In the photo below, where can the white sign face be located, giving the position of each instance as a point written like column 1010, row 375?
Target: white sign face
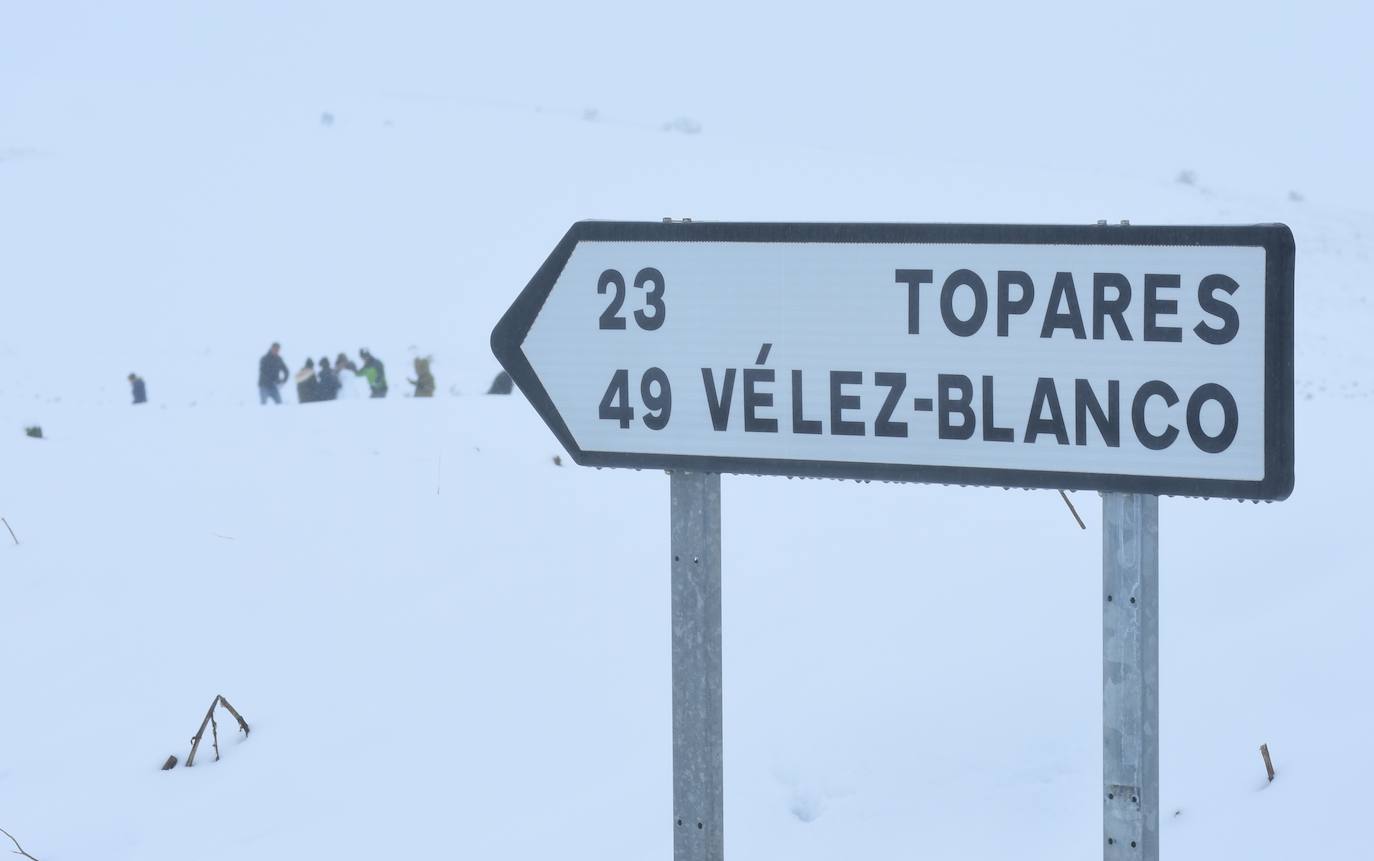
column 1125, row 358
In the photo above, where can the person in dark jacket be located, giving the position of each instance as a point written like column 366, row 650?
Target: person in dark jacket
column 272, row 372
column 307, row 387
column 424, row 380
column 327, row 382
column 375, row 372
column 140, row 390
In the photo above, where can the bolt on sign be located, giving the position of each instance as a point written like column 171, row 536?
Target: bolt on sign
column 1142, row 359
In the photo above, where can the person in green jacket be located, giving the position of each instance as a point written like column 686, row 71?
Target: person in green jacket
column 374, row 372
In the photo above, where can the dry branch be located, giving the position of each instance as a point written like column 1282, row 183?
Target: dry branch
column 195, row 739
column 18, row 850
column 214, row 733
column 11, row 529
column 1064, row 496
column 209, row 720
column 243, row 724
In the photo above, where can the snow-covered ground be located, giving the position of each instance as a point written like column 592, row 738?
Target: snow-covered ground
column 447, row 644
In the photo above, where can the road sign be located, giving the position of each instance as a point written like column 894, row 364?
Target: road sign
column 1133, row 359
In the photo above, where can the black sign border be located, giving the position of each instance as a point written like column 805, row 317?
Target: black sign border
column 508, row 337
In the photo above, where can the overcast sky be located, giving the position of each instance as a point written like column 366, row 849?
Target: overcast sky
column 1248, row 96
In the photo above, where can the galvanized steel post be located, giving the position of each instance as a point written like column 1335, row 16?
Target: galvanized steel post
column 1130, row 677
column 698, row 752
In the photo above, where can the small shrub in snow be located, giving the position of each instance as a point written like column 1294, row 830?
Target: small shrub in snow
column 34, row 431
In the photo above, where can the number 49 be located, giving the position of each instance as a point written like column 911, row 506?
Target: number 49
column 615, row 404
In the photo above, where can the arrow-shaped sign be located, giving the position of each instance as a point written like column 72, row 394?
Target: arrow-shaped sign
column 1124, row 358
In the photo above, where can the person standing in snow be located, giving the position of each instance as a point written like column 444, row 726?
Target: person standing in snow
column 307, row 387
column 375, row 372
column 140, row 390
column 351, row 386
column 272, row 372
column 424, row 380
column 328, row 382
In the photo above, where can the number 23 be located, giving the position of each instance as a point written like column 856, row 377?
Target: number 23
column 611, row 319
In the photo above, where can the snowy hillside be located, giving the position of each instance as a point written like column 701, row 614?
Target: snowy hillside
column 449, row 645
column 444, row 641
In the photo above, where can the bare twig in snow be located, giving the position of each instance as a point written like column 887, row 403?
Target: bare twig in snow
column 214, row 734
column 18, row 850
column 11, row 529
column 1064, row 496
column 243, row 724
column 214, row 728
column 195, row 739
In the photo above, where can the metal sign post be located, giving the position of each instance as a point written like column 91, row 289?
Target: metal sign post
column 698, row 753
column 1130, row 677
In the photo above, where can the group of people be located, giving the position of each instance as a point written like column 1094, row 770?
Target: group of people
column 345, row 378
column 322, row 382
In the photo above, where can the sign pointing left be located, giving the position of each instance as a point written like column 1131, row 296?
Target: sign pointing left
column 1115, row 358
